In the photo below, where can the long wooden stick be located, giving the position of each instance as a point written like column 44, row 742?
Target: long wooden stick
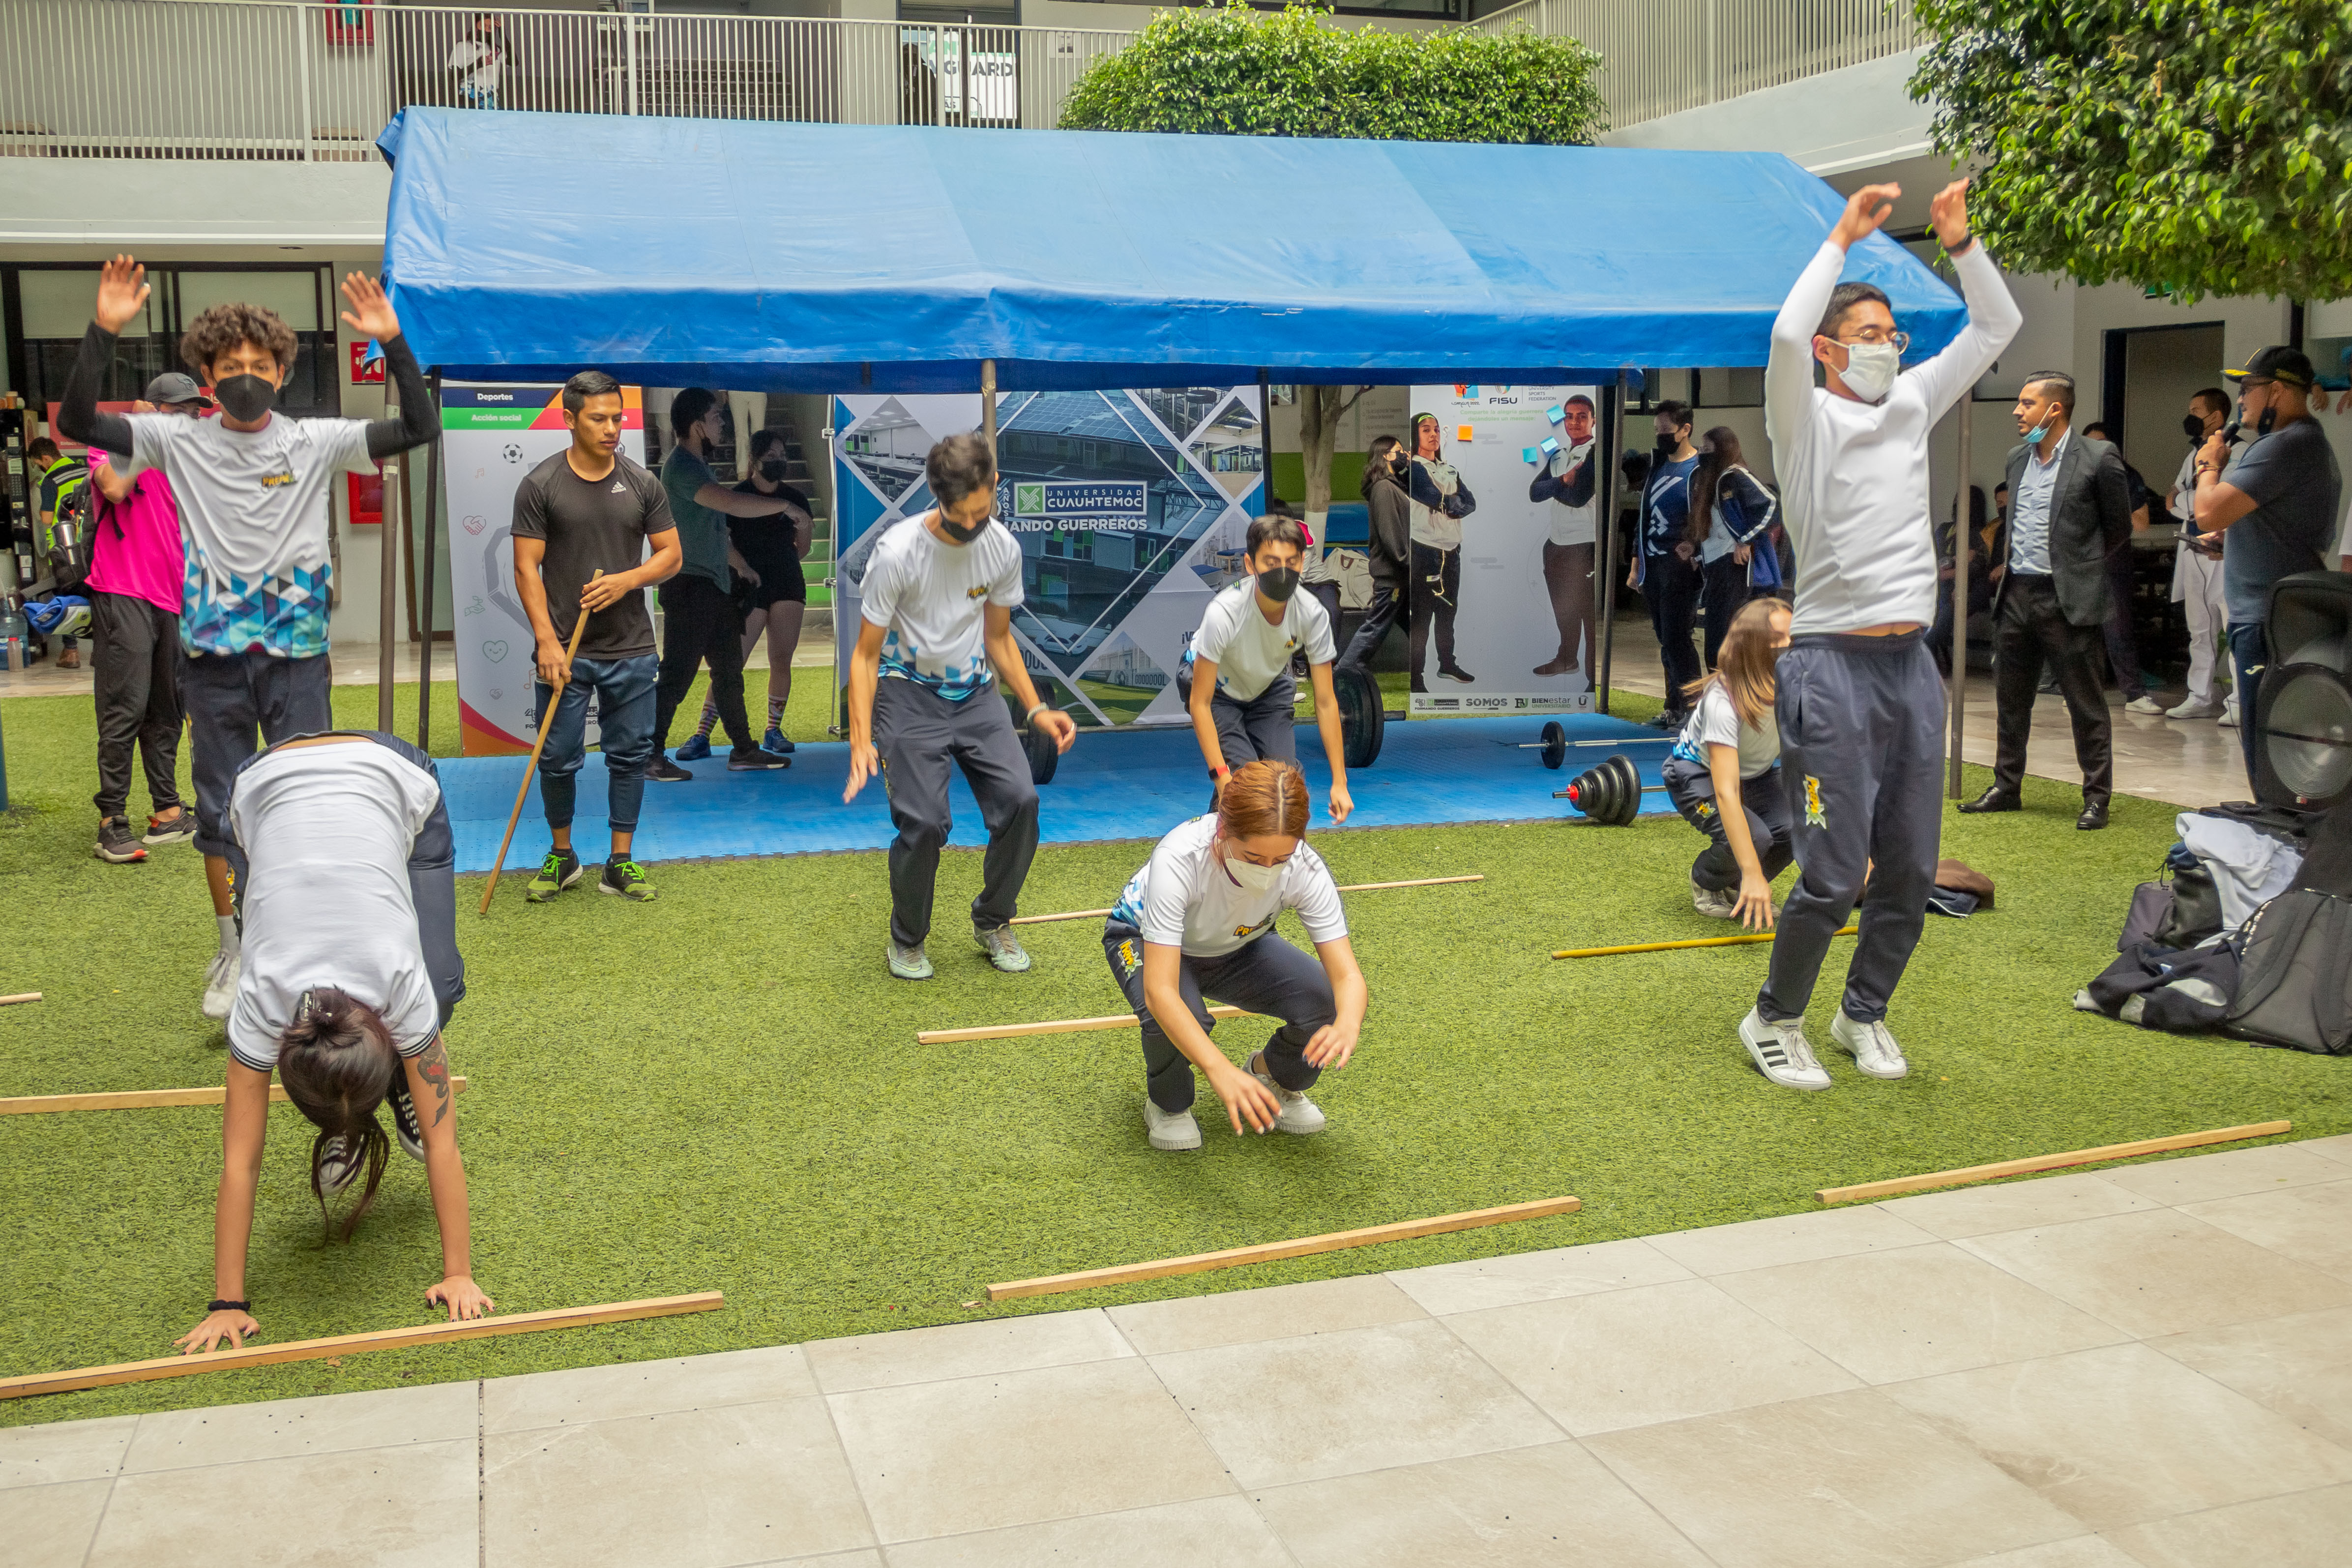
column 554, row 701
column 1688, row 942
column 1271, row 1251
column 1351, row 887
column 141, row 1099
column 1968, row 1173
column 1053, row 1027
column 351, row 1345
column 23, row 996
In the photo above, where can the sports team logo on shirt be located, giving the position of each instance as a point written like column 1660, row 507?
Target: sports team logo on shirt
column 283, row 477
column 1128, row 961
column 1814, row 818
column 980, row 592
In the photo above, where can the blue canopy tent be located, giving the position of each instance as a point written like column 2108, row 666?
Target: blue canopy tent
column 761, row 256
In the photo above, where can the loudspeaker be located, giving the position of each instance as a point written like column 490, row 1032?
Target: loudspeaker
column 2302, row 728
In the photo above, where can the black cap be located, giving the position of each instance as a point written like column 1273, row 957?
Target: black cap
column 173, row 387
column 2278, row 363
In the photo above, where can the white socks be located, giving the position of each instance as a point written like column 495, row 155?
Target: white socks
column 228, row 937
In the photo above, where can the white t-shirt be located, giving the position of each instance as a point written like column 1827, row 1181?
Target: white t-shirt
column 329, row 830
column 1716, row 722
column 931, row 598
column 1854, row 476
column 1432, row 528
column 1185, row 898
column 255, row 509
column 1573, row 524
column 1247, row 651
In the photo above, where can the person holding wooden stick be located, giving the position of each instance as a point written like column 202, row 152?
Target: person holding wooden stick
column 345, row 875
column 1198, row 923
column 589, row 510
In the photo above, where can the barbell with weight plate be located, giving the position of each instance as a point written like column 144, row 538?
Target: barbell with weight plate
column 1555, row 742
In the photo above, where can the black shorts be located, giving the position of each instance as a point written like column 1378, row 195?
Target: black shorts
column 781, row 580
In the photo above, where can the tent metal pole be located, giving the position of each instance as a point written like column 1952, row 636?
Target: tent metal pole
column 988, row 405
column 1962, row 526
column 424, row 608
column 1604, row 591
column 1266, row 437
column 395, row 477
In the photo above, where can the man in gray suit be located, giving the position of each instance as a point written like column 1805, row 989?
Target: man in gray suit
column 2070, row 504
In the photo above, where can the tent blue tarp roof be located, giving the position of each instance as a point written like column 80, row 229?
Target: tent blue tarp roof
column 767, row 255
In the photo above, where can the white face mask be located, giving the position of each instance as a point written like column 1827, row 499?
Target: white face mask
column 1252, row 877
column 1870, row 369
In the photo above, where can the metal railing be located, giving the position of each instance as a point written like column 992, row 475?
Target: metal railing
column 303, row 81
column 1656, row 60
column 296, row 80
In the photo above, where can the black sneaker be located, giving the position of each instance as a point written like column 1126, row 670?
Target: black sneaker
column 558, row 871
column 1455, row 672
column 116, row 842
column 403, row 1114
column 625, row 880
column 661, row 770
column 753, row 760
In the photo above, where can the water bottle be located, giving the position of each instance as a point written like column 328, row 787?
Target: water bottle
column 13, row 633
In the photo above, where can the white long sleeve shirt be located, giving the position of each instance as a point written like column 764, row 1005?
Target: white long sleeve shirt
column 1854, row 476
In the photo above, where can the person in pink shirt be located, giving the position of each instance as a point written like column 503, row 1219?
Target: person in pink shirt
column 136, row 580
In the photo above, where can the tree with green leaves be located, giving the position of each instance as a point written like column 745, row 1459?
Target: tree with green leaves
column 2202, row 146
column 1234, row 71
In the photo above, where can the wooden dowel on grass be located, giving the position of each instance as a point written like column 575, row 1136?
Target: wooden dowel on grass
column 522, row 791
column 1352, row 888
column 143, row 1098
column 1272, row 1251
column 20, row 996
column 1052, row 1027
column 1688, row 942
column 1994, row 1172
column 351, row 1345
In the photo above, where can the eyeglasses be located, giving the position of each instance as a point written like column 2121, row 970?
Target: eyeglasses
column 1902, row 340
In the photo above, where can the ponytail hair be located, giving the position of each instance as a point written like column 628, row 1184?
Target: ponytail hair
column 337, row 1062
column 1264, row 797
column 1744, row 665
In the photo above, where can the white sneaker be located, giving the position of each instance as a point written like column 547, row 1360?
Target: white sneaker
column 1715, row 904
column 2229, row 719
column 1170, row 1129
column 2193, row 708
column 1299, row 1112
column 1872, row 1048
column 1781, row 1052
column 220, row 984
column 338, row 1164
column 2144, row 704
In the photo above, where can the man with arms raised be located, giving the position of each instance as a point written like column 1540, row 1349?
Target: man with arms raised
column 1861, row 707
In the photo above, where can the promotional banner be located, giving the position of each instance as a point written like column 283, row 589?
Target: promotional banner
column 1524, row 633
column 492, row 435
column 1132, row 510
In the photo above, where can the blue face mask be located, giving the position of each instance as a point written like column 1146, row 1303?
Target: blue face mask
column 2033, row 437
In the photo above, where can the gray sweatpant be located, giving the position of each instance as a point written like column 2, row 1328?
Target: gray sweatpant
column 1862, row 731
column 918, row 732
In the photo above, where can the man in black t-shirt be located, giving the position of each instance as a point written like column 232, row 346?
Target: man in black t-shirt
column 589, row 508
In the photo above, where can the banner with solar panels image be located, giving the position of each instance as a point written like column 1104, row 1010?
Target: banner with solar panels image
column 1131, row 509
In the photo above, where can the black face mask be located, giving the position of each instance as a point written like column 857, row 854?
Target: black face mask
column 1399, row 464
column 2269, row 419
column 2192, row 427
column 959, row 533
column 1278, row 583
column 244, row 397
column 1666, row 444
column 772, row 469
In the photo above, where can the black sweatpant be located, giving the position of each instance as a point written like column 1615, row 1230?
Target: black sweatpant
column 1267, row 976
column 1862, row 750
column 1672, row 586
column 229, row 697
column 1568, row 583
column 1765, row 798
column 1388, row 602
column 136, row 677
column 1725, row 591
column 918, row 732
column 1436, row 595
column 2030, row 628
column 699, row 622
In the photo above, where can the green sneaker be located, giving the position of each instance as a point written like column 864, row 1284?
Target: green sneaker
column 626, row 879
column 557, row 872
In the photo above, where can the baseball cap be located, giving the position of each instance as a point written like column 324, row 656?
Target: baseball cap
column 172, row 386
column 2278, row 363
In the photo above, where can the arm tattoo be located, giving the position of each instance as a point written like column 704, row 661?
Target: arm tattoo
column 433, row 1067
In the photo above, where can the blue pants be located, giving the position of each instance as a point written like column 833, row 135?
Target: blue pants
column 2247, row 656
column 1267, row 976
column 625, row 718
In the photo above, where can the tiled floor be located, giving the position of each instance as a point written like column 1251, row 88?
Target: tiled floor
column 2148, row 1365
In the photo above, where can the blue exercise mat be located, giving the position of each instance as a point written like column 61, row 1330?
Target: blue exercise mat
column 1128, row 783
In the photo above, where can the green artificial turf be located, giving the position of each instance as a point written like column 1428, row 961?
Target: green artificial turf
column 722, row 1091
